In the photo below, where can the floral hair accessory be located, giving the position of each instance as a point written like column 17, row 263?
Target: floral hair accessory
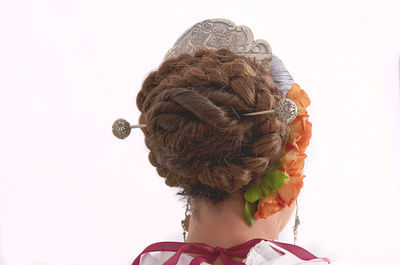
column 283, row 181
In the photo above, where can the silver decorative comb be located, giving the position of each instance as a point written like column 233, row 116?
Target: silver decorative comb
column 220, row 33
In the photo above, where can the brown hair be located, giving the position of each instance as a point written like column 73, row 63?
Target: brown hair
column 198, row 140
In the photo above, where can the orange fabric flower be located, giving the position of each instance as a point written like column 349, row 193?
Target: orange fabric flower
column 269, row 205
column 291, row 189
column 300, row 133
column 300, row 97
column 293, row 163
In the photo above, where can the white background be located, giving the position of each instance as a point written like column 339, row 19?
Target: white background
column 73, row 194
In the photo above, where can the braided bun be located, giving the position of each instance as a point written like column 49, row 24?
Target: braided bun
column 198, row 140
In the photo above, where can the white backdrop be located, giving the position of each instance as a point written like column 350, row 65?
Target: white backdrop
column 73, row 194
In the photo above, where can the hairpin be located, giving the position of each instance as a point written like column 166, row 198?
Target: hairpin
column 121, row 128
column 285, row 110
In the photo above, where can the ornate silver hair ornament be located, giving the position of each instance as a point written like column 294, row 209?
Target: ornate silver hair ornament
column 121, row 128
column 222, row 33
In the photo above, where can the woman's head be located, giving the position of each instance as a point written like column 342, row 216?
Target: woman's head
column 198, row 138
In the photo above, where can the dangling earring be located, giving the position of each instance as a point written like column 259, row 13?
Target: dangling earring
column 296, row 223
column 185, row 222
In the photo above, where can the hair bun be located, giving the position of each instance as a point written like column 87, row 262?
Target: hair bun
column 197, row 139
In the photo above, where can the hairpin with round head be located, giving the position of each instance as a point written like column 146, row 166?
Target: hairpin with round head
column 285, row 110
column 121, row 128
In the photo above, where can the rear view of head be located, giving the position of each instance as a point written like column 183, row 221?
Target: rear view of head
column 196, row 133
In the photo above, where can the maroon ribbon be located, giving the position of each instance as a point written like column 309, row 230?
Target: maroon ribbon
column 210, row 254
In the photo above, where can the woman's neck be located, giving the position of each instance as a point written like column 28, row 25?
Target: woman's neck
column 225, row 226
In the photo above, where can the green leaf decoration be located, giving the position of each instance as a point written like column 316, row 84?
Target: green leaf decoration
column 249, row 210
column 274, row 179
column 253, row 194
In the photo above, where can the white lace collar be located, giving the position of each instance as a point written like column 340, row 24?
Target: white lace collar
column 266, row 252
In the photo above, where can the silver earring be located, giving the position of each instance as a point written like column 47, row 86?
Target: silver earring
column 296, row 223
column 185, row 222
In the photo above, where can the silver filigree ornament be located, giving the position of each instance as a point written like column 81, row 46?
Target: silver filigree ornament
column 285, row 110
column 121, row 128
column 220, row 33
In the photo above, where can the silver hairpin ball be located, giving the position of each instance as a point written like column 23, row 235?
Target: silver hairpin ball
column 121, row 128
column 285, row 110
